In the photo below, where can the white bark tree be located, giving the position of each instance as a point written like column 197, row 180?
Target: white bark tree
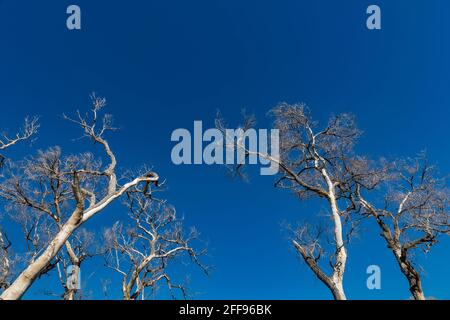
column 86, row 188
column 143, row 252
column 412, row 213
column 312, row 164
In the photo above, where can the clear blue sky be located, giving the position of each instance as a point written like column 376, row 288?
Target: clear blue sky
column 168, row 63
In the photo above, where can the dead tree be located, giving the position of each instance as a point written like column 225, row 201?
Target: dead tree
column 412, row 213
column 29, row 129
column 142, row 252
column 312, row 164
column 38, row 200
column 83, row 184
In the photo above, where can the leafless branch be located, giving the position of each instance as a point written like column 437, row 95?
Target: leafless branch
column 142, row 252
column 413, row 214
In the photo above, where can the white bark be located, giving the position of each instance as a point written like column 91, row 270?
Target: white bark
column 29, row 275
column 341, row 254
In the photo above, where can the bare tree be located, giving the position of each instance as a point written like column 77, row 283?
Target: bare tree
column 312, row 164
column 29, row 129
column 412, row 214
column 39, row 199
column 84, row 186
column 142, row 253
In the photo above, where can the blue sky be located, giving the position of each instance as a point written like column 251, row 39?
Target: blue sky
column 164, row 64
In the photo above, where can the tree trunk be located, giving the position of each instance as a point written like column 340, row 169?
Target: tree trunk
column 341, row 253
column 415, row 284
column 338, row 291
column 335, row 282
column 69, row 294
